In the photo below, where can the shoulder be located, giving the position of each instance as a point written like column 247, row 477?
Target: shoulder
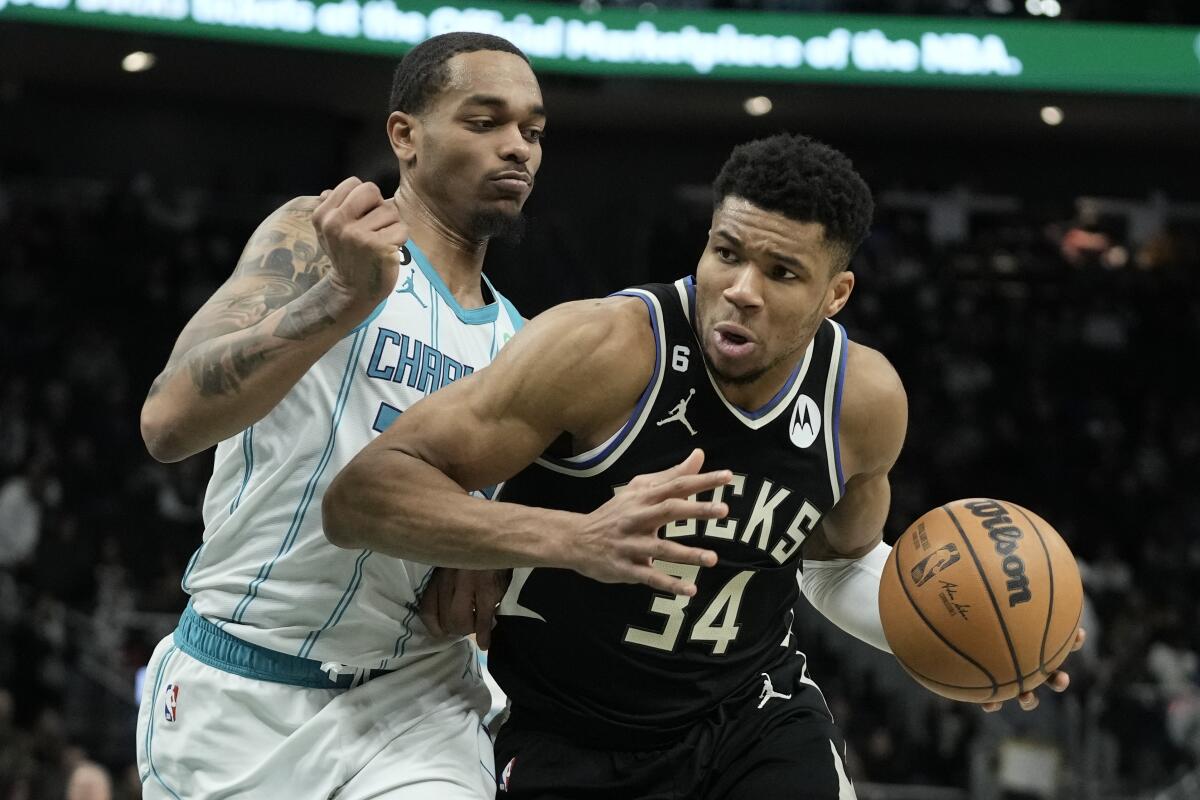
column 593, row 356
column 295, row 213
column 874, row 412
column 595, row 335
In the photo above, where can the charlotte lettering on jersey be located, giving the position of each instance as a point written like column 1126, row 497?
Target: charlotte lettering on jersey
column 756, row 529
column 404, row 359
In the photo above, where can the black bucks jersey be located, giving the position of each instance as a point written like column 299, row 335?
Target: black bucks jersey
column 624, row 663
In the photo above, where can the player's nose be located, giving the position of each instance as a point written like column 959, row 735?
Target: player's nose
column 514, row 146
column 746, row 289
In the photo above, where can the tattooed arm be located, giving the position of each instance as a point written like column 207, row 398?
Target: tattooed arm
column 286, row 303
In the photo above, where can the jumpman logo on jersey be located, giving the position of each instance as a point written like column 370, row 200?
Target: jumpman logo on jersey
column 679, row 413
column 769, row 693
column 408, row 288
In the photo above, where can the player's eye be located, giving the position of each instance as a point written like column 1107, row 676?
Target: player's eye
column 534, row 134
column 782, row 273
column 725, row 254
column 482, row 123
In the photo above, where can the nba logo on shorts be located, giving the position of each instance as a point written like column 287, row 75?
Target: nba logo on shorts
column 506, row 776
column 170, row 701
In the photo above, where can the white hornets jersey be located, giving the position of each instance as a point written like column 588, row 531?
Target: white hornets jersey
column 265, row 572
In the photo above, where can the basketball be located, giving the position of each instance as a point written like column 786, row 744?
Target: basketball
column 980, row 600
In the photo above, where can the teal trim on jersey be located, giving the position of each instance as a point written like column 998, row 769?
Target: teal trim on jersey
column 310, row 489
column 187, row 573
column 402, row 640
column 208, row 644
column 435, row 307
column 374, row 315
column 514, row 316
column 153, row 712
column 343, row 603
column 248, row 457
column 471, row 316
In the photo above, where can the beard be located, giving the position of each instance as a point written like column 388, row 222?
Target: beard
column 506, row 228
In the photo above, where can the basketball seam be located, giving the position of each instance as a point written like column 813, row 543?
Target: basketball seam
column 937, row 633
column 997, row 687
column 1012, row 651
column 1050, row 572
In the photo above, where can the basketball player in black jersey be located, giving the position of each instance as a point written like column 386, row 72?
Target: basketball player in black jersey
column 594, row 417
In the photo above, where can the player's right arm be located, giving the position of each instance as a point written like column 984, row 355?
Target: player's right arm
column 576, row 370
column 310, row 273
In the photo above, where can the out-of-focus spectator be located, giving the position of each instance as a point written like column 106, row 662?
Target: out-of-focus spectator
column 89, row 781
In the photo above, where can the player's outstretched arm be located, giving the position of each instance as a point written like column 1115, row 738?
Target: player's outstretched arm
column 312, row 271
column 576, row 370
column 844, row 557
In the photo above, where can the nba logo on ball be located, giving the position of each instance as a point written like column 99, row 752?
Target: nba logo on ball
column 170, row 701
column 806, row 422
column 506, row 776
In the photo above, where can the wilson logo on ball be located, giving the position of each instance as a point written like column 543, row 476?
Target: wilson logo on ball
column 1005, row 537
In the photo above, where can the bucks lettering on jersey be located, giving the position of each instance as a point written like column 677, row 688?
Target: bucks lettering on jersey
column 265, row 572
column 625, row 659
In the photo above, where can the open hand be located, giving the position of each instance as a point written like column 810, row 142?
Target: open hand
column 620, row 541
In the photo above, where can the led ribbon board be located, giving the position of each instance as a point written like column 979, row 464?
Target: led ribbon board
column 907, row 51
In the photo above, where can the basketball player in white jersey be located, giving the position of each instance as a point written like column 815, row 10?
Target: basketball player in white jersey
column 298, row 669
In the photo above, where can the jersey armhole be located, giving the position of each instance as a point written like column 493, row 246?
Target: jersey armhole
column 601, row 457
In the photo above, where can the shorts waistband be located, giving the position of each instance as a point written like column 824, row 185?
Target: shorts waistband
column 205, row 642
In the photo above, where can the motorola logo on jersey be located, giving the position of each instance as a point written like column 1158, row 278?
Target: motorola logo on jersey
column 806, row 422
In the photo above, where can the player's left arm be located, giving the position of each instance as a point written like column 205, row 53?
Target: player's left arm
column 844, row 556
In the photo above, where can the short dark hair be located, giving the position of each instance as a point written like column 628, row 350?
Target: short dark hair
column 804, row 180
column 422, row 74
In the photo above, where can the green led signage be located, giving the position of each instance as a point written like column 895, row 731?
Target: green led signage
column 699, row 44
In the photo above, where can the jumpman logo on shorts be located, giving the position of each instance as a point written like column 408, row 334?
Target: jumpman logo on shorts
column 769, row 693
column 679, row 413
column 408, row 288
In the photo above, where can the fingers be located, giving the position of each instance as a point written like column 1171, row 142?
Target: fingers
column 1059, row 681
column 428, row 610
column 1028, row 701
column 332, row 198
column 394, row 235
column 1080, row 638
column 381, row 216
column 689, row 466
column 991, row 708
column 362, row 199
column 688, row 485
column 662, row 582
column 682, row 554
column 487, row 596
column 673, row 510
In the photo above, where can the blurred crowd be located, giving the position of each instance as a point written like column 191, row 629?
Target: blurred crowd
column 1047, row 362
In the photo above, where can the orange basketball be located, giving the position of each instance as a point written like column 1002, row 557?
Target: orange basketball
column 980, row 600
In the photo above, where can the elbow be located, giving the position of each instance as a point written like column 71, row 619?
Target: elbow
column 335, row 507
column 161, row 434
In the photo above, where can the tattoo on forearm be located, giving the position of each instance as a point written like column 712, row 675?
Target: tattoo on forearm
column 222, row 370
column 306, row 316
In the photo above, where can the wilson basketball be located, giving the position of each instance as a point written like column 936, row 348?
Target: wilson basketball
column 980, row 600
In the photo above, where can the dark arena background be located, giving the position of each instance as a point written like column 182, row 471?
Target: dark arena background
column 1033, row 274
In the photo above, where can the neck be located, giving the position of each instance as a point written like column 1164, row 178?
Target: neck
column 457, row 258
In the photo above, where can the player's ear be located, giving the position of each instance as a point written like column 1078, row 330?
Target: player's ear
column 403, row 133
column 839, row 292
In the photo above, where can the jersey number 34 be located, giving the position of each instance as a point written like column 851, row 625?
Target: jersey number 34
column 718, row 623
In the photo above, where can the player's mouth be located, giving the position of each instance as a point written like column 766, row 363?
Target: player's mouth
column 733, row 341
column 512, row 181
